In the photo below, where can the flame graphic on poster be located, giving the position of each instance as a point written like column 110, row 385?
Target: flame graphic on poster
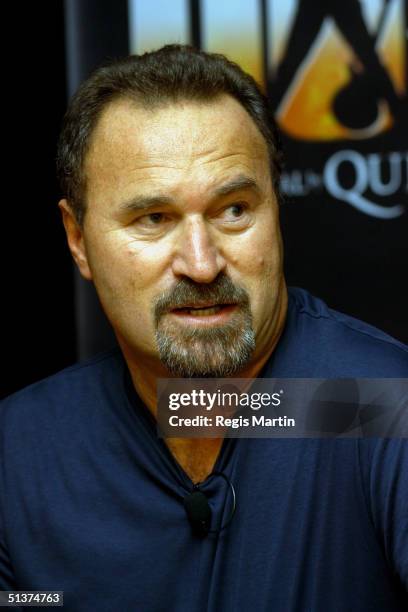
column 306, row 109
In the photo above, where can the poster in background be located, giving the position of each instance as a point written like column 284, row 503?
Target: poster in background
column 337, row 78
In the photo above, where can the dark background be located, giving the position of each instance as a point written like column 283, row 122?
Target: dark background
column 44, row 324
column 38, row 321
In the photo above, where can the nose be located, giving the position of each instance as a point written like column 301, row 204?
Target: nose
column 197, row 256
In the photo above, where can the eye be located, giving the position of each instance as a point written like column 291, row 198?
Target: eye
column 236, row 210
column 235, row 213
column 151, row 221
column 236, row 216
column 152, row 218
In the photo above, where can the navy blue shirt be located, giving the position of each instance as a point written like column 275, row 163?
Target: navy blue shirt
column 92, row 500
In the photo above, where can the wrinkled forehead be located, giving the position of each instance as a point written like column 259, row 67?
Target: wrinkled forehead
column 178, row 129
column 183, row 143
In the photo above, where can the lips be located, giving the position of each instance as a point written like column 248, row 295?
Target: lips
column 201, row 310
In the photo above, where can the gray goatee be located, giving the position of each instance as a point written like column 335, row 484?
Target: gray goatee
column 195, row 352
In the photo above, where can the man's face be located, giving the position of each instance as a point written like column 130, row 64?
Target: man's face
column 181, row 234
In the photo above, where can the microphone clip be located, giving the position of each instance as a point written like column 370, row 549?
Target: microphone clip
column 199, row 511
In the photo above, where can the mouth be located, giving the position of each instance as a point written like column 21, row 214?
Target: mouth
column 201, row 310
column 204, row 313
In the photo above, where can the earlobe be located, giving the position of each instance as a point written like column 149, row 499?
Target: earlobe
column 75, row 239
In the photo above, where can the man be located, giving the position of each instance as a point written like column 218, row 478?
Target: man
column 169, row 164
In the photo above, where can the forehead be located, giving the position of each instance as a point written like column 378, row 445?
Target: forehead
column 201, row 142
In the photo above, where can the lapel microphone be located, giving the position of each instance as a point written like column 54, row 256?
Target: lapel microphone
column 199, row 512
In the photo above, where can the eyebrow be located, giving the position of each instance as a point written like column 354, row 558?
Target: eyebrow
column 237, row 184
column 142, row 202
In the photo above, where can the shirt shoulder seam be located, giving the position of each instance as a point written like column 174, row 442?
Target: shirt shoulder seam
column 395, row 345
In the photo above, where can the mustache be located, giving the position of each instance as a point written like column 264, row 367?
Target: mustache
column 188, row 293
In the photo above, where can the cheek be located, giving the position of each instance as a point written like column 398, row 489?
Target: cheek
column 269, row 249
column 122, row 282
column 260, row 257
column 259, row 268
column 127, row 284
column 122, row 264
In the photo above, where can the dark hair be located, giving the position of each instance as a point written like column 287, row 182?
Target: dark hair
column 172, row 73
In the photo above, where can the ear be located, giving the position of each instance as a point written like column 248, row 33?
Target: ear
column 75, row 239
